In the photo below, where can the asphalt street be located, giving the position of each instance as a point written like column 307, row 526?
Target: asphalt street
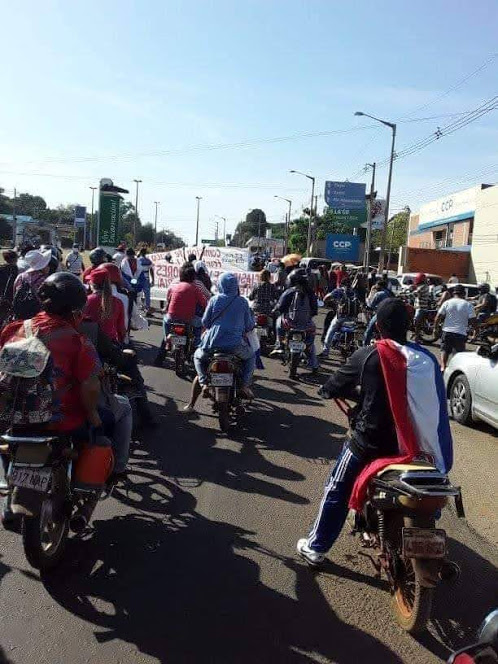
column 194, row 559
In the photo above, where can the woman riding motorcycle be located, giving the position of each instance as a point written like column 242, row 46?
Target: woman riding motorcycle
column 297, row 307
column 227, row 320
column 103, row 308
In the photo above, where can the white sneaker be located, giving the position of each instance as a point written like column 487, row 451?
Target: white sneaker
column 312, row 557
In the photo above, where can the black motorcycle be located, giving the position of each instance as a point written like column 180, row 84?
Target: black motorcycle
column 45, row 492
column 294, row 350
column 265, row 331
column 181, row 341
column 224, row 378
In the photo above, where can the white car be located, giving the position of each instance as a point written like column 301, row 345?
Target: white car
column 472, row 386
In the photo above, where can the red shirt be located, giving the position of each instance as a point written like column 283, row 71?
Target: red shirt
column 73, row 361
column 114, row 326
column 183, row 299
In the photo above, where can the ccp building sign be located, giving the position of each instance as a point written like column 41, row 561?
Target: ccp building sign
column 454, row 207
column 340, row 247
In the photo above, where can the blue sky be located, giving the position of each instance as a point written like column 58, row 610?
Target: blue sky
column 89, row 87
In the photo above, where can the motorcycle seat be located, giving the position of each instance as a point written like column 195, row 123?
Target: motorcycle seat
column 404, row 467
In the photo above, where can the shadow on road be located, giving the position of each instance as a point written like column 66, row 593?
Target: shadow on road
column 459, row 608
column 183, row 589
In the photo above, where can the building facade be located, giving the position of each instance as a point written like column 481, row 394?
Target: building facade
column 484, row 251
column 447, row 222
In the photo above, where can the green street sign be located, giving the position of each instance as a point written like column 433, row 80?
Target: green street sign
column 109, row 219
column 208, row 241
column 351, row 218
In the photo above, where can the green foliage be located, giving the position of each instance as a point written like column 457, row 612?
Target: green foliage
column 5, row 229
column 255, row 221
column 30, row 205
column 397, row 229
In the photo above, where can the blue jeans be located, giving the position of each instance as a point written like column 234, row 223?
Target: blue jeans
column 334, row 506
column 118, row 423
column 334, row 327
column 196, row 323
column 147, row 293
column 369, row 332
column 244, row 352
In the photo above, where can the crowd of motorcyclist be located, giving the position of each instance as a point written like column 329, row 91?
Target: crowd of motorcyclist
column 85, row 314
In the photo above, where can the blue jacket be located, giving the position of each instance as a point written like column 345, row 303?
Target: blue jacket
column 227, row 317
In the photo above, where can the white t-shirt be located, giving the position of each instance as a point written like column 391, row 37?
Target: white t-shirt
column 457, row 312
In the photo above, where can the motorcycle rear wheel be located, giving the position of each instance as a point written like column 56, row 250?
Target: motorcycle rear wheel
column 224, row 416
column 180, row 363
column 411, row 601
column 294, row 363
column 44, row 538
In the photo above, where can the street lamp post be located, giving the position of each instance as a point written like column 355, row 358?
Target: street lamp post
column 156, row 203
column 137, row 182
column 224, row 228
column 391, row 126
column 310, row 225
column 288, row 220
column 93, row 220
column 199, row 199
column 368, row 239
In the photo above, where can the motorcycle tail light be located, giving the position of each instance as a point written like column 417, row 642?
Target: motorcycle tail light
column 262, row 320
column 221, row 366
column 178, row 330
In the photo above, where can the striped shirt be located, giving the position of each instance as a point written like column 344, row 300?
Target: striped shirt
column 422, row 297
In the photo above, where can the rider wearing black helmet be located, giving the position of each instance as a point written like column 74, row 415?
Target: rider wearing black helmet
column 97, row 256
column 296, row 307
column 486, row 303
column 74, row 362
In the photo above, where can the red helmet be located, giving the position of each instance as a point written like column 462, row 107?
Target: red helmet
column 109, row 270
column 420, row 278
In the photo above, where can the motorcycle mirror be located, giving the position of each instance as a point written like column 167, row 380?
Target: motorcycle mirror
column 484, row 351
column 488, row 633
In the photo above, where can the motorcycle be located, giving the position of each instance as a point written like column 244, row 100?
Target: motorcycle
column 55, row 488
column 224, row 376
column 294, row 347
column 485, row 651
column 345, row 340
column 264, row 328
column 181, row 341
column 486, row 332
column 398, row 525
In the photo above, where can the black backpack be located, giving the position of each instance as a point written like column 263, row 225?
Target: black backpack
column 26, row 302
column 349, row 307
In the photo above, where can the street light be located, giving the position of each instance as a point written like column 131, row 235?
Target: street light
column 391, row 126
column 287, row 225
column 310, row 177
column 199, row 199
column 137, row 182
column 156, row 203
column 224, row 228
column 93, row 221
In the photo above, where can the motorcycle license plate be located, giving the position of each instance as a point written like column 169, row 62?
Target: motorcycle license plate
column 31, row 478
column 424, row 543
column 221, row 380
column 178, row 341
column 262, row 332
column 296, row 346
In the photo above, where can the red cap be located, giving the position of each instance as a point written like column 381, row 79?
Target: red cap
column 420, row 278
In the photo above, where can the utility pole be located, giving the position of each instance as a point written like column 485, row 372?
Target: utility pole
column 224, row 228
column 287, row 220
column 14, row 219
column 368, row 238
column 199, row 199
column 310, row 225
column 156, row 203
column 137, row 182
column 391, row 244
column 93, row 230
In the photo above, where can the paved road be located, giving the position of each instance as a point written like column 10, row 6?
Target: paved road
column 194, row 561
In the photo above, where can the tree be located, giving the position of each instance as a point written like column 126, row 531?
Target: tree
column 5, row 203
column 5, row 229
column 30, row 205
column 254, row 223
column 397, row 229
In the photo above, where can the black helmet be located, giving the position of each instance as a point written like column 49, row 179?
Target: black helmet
column 484, row 288
column 98, row 256
column 297, row 277
column 62, row 293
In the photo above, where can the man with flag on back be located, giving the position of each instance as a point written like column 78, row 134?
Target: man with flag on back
column 401, row 414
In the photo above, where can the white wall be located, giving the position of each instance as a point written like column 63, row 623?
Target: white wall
column 484, row 253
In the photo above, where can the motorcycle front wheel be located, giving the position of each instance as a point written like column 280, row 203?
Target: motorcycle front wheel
column 44, row 537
